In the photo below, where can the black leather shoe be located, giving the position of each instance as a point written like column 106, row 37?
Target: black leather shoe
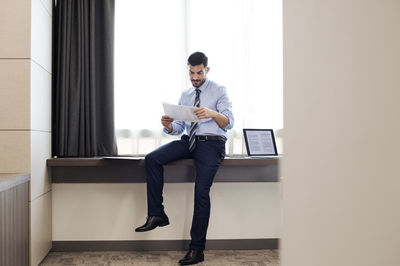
column 152, row 222
column 192, row 257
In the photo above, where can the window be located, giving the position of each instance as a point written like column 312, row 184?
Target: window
column 153, row 38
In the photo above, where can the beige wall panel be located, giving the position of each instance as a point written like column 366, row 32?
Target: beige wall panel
column 112, row 211
column 254, row 210
column 15, row 28
column 41, row 228
column 15, row 152
column 341, row 165
column 40, row 152
column 40, row 98
column 14, row 94
column 41, row 35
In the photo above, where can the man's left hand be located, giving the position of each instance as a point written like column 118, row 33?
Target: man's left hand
column 204, row 112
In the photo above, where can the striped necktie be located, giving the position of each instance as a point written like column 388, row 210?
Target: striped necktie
column 193, row 126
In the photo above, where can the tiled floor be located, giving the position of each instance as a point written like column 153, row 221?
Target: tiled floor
column 164, row 258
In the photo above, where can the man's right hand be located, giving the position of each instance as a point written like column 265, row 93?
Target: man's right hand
column 166, row 122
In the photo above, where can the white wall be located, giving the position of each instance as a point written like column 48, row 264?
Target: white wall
column 41, row 34
column 341, row 167
column 112, row 211
column 25, row 107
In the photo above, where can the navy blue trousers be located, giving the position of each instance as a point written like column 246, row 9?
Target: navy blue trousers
column 207, row 156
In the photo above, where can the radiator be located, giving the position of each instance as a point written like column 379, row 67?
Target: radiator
column 14, row 220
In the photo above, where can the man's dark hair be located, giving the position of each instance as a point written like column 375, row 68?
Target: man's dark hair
column 198, row 58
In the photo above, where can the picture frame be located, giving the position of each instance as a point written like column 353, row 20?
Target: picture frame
column 260, row 142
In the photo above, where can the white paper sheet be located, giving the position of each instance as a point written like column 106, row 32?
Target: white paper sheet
column 180, row 112
column 260, row 142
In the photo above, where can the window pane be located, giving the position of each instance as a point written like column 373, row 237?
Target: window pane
column 243, row 40
column 148, row 61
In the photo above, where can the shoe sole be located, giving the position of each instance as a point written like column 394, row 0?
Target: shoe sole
column 160, row 225
column 163, row 224
column 201, row 260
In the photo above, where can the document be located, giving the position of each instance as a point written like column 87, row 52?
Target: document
column 180, row 112
column 260, row 142
column 135, row 158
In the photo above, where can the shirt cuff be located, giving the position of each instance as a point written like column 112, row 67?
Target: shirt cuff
column 167, row 132
column 173, row 132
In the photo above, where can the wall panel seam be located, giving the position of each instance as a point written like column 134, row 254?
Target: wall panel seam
column 15, row 58
column 42, row 195
column 42, row 67
column 23, row 129
column 44, row 6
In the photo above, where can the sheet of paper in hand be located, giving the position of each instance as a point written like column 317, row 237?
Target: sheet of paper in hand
column 180, row 112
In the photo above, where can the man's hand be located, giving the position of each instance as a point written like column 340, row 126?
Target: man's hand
column 220, row 119
column 166, row 122
column 204, row 112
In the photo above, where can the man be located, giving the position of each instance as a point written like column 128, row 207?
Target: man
column 205, row 143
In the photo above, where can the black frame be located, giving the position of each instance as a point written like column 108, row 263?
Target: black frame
column 247, row 142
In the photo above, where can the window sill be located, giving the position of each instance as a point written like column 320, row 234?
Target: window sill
column 132, row 170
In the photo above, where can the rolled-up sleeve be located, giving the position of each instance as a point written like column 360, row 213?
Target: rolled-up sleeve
column 224, row 106
column 177, row 128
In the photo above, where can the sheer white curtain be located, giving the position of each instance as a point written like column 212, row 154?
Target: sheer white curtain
column 242, row 39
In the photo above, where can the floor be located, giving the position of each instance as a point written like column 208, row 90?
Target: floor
column 164, row 258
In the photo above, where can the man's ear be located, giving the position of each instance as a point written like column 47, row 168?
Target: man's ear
column 207, row 69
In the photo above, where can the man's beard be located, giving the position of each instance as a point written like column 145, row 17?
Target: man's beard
column 197, row 83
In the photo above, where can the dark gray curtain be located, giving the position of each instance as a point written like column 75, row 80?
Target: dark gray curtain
column 83, row 78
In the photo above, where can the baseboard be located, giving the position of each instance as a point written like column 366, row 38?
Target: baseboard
column 164, row 245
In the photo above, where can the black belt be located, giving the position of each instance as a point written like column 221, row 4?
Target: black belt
column 205, row 138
